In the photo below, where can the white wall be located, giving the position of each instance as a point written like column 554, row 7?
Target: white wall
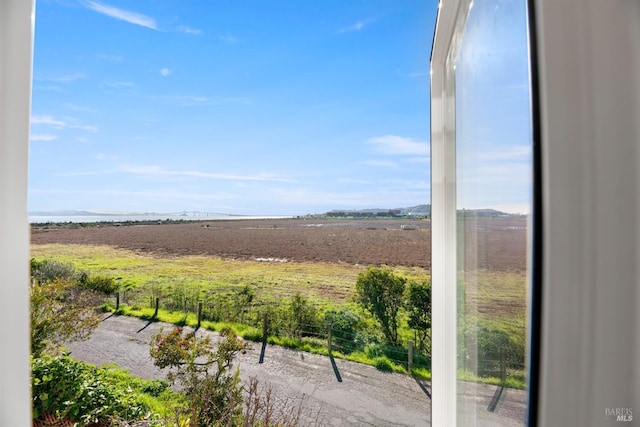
column 589, row 67
column 16, row 46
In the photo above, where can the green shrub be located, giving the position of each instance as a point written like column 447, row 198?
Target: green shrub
column 102, row 284
column 50, row 270
column 68, row 388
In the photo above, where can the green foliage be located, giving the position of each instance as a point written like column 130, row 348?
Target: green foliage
column 68, row 388
column 418, row 306
column 49, row 270
column 381, row 292
column 344, row 326
column 60, row 312
column 102, row 284
column 204, row 373
column 301, row 317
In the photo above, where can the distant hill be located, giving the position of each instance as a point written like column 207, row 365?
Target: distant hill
column 419, row 210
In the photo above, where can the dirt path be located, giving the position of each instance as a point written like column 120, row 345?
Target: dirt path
column 363, row 397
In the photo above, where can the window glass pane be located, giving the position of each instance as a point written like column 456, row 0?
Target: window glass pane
column 494, row 168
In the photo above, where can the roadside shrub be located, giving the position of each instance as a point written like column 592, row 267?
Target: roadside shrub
column 65, row 387
column 102, row 284
column 60, row 313
column 50, row 270
column 383, row 364
column 381, row 293
column 301, row 318
column 344, row 324
column 204, row 373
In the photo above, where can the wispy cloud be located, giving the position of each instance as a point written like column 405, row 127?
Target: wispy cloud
column 61, row 124
column 65, row 78
column 203, row 101
column 112, row 58
column 119, row 85
column 228, row 38
column 165, row 72
column 160, row 171
column 189, row 30
column 358, row 26
column 123, row 15
column 393, row 144
column 48, row 120
column 382, row 163
column 43, row 137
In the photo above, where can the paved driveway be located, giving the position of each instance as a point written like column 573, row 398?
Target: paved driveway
column 364, row 396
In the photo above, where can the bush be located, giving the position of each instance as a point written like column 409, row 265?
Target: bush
column 68, row 388
column 344, row 323
column 50, row 270
column 102, row 284
column 381, row 293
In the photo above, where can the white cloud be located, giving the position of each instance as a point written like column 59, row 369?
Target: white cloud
column 165, row 72
column 48, row 120
column 119, row 85
column 383, row 163
column 61, row 124
column 67, row 78
column 123, row 15
column 228, row 38
column 393, row 144
column 358, row 26
column 202, row 101
column 189, row 30
column 160, row 171
column 43, row 137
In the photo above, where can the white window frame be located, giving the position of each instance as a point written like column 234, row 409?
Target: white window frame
column 452, row 16
column 16, row 53
column 586, row 108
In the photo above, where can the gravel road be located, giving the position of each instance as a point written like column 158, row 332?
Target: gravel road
column 349, row 394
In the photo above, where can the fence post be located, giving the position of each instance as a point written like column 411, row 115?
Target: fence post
column 117, row 300
column 157, row 306
column 329, row 328
column 410, row 356
column 265, row 330
column 199, row 314
column 503, row 367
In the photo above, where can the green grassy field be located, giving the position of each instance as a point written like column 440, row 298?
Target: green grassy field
column 491, row 299
column 322, row 283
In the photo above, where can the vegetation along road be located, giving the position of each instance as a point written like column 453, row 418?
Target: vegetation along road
column 329, row 392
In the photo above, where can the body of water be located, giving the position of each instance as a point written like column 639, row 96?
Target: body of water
column 43, row 219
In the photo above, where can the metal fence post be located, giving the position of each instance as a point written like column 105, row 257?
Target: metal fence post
column 410, row 356
column 117, row 300
column 329, row 328
column 265, row 322
column 157, row 306
column 199, row 313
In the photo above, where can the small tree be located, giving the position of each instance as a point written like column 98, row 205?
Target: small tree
column 418, row 306
column 214, row 392
column 381, row 292
column 60, row 312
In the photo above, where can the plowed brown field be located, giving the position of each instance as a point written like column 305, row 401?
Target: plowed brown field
column 357, row 241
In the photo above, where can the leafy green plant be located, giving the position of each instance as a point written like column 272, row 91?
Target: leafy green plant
column 60, row 312
column 68, row 388
column 381, row 292
column 418, row 306
column 204, row 373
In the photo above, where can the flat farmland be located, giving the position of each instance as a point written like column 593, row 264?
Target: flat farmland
column 392, row 242
column 319, row 258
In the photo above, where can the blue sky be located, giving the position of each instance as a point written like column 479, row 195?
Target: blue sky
column 245, row 107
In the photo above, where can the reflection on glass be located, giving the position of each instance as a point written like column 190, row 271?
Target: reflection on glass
column 494, row 167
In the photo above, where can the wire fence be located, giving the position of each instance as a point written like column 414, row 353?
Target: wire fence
column 300, row 325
